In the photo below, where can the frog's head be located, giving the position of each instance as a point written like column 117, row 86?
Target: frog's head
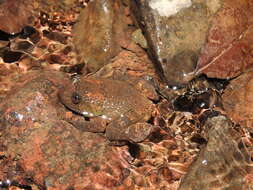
column 75, row 101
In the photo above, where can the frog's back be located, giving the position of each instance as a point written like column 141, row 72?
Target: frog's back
column 112, row 96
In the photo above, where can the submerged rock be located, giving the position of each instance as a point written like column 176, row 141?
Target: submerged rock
column 224, row 163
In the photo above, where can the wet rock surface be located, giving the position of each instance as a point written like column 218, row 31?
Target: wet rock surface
column 98, row 32
column 224, row 163
column 14, row 15
column 169, row 136
column 228, row 50
column 51, row 153
column 175, row 32
column 194, row 37
column 237, row 99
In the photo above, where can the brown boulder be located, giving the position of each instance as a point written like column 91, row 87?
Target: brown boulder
column 97, row 34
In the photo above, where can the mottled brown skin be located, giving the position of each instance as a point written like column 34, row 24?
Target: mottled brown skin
column 124, row 108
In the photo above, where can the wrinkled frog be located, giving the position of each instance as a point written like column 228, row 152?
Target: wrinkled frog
column 111, row 106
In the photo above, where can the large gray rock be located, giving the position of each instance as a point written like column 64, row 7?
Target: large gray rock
column 175, row 31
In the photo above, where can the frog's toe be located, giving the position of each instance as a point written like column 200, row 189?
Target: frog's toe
column 138, row 132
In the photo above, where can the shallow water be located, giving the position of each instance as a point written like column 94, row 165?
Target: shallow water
column 223, row 164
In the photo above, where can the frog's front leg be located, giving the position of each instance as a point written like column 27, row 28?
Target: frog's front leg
column 94, row 125
column 123, row 129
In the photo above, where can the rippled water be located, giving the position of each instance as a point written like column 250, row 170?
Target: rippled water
column 224, row 164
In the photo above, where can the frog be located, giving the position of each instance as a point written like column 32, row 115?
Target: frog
column 113, row 107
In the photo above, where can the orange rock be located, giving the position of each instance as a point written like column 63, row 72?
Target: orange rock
column 14, row 15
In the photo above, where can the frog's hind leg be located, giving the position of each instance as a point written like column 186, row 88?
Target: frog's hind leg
column 124, row 129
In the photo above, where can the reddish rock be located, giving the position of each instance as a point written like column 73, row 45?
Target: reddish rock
column 39, row 148
column 238, row 99
column 55, row 5
column 228, row 50
column 14, row 15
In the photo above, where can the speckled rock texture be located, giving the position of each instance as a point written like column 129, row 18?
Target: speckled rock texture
column 190, row 134
column 38, row 148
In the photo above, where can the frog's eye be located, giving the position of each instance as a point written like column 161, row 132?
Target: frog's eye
column 76, row 98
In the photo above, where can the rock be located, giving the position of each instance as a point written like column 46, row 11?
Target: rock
column 14, row 15
column 99, row 32
column 224, row 163
column 238, row 100
column 215, row 35
column 54, row 5
column 38, row 148
column 132, row 61
column 228, row 48
column 175, row 32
